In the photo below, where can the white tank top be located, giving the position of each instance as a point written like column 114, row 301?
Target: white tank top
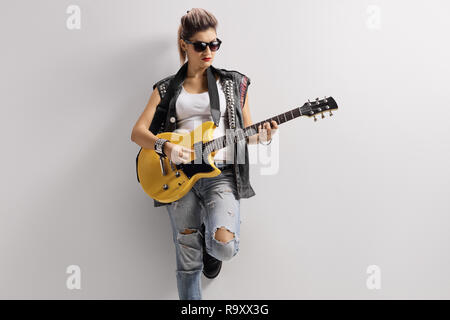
column 194, row 108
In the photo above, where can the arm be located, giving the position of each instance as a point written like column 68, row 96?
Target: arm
column 248, row 122
column 141, row 134
column 255, row 139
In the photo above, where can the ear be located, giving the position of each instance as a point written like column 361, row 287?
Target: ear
column 182, row 45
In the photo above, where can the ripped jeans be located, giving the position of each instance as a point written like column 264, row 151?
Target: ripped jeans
column 211, row 202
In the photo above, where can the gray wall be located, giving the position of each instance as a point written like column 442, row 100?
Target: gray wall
column 366, row 187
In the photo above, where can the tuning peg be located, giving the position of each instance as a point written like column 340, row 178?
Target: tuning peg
column 325, row 99
column 317, row 101
column 315, row 119
column 309, row 103
column 331, row 113
column 322, row 115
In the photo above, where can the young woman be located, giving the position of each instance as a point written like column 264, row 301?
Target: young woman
column 206, row 221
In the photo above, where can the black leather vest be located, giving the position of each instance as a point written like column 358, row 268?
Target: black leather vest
column 234, row 85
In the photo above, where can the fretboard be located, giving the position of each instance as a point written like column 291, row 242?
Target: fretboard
column 241, row 134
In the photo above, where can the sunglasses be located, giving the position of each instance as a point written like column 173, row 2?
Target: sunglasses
column 200, row 46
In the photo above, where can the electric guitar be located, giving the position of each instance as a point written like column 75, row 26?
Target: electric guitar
column 165, row 181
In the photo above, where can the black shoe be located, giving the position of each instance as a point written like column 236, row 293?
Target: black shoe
column 211, row 266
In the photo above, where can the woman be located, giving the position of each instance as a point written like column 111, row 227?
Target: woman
column 206, row 221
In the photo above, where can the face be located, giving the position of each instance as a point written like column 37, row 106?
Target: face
column 195, row 57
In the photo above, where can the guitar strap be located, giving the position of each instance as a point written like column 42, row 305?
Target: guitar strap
column 213, row 96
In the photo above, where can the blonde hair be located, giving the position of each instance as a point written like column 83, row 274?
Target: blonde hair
column 195, row 20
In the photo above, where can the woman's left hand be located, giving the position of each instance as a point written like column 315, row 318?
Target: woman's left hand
column 266, row 135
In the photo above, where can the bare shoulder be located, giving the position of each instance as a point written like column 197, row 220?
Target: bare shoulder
column 146, row 116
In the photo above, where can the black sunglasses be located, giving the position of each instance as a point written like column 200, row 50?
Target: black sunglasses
column 200, row 46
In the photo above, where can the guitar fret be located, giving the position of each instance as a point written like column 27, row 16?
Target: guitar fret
column 240, row 134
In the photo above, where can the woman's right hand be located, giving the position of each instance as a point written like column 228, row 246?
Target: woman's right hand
column 177, row 153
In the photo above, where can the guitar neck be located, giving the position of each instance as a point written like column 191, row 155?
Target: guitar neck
column 280, row 119
column 241, row 134
column 308, row 109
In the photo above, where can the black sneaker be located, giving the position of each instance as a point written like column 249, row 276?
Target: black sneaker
column 211, row 266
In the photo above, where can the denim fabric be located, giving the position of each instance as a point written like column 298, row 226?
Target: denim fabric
column 212, row 202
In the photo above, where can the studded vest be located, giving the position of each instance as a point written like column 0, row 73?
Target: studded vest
column 234, row 85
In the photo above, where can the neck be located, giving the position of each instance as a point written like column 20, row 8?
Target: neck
column 196, row 72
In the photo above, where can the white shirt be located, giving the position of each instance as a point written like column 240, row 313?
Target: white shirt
column 194, row 108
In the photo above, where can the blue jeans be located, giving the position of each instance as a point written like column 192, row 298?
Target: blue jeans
column 212, row 202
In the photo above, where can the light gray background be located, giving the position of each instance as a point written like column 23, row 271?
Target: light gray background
column 368, row 186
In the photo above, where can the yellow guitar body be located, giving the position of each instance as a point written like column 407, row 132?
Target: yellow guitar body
column 175, row 183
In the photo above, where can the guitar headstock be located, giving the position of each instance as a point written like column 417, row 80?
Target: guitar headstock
column 319, row 106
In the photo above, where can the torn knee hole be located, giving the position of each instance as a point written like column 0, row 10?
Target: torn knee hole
column 224, row 235
column 188, row 231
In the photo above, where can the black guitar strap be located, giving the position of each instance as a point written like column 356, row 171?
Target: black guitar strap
column 213, row 96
